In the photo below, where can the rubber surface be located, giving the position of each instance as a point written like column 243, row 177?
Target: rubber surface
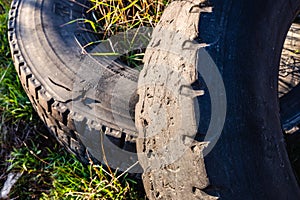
column 86, row 113
column 166, row 112
column 250, row 159
column 80, row 97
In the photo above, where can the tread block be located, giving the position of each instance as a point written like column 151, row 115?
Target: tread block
column 60, row 112
column 25, row 74
column 33, row 87
column 45, row 100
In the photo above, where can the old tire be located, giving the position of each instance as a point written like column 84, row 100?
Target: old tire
column 82, row 99
column 249, row 160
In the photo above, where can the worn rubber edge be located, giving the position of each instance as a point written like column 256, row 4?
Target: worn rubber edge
column 58, row 118
column 170, row 66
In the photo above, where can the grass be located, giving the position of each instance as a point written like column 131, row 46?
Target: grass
column 51, row 173
column 13, row 100
column 26, row 148
column 110, row 17
column 113, row 16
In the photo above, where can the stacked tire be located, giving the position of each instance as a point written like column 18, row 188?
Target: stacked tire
column 89, row 102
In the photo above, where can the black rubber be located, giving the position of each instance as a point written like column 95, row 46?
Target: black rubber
column 86, row 112
column 80, row 97
column 250, row 159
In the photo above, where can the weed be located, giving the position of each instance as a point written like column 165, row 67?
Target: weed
column 51, row 173
column 4, row 48
column 13, row 100
column 113, row 16
column 110, row 17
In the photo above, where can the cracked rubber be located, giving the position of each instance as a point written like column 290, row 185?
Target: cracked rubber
column 250, row 159
column 71, row 90
column 165, row 114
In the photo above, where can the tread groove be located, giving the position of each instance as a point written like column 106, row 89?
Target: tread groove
column 61, row 120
